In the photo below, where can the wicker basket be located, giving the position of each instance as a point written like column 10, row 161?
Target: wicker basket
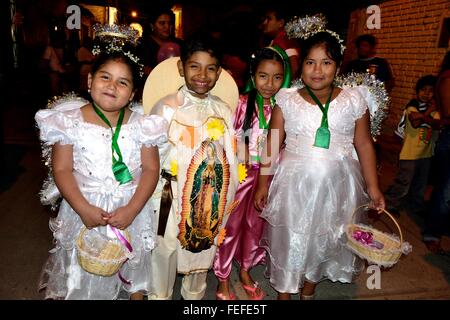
column 388, row 255
column 105, row 263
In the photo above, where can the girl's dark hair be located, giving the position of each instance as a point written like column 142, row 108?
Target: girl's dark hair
column 332, row 46
column 104, row 57
column 201, row 42
column 260, row 55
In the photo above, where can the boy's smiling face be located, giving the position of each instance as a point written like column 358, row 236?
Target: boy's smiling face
column 200, row 72
column 425, row 93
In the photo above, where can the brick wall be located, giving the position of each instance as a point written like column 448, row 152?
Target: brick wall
column 408, row 39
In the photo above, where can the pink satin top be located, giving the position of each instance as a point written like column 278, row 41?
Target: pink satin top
column 257, row 136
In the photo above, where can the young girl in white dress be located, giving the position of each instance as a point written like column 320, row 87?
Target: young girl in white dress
column 101, row 192
column 317, row 184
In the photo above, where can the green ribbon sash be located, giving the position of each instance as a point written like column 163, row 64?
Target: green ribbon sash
column 261, row 117
column 119, row 168
column 322, row 138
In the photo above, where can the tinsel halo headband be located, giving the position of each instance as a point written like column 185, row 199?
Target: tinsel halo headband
column 305, row 27
column 113, row 38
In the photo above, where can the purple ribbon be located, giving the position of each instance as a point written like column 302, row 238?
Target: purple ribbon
column 366, row 238
column 122, row 239
column 127, row 244
column 363, row 237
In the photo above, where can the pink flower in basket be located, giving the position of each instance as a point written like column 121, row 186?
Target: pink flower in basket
column 366, row 238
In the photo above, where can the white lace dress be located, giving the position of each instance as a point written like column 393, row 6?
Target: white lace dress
column 62, row 276
column 313, row 194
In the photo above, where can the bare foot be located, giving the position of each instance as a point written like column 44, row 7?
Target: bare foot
column 223, row 291
column 283, row 296
column 251, row 287
column 137, row 296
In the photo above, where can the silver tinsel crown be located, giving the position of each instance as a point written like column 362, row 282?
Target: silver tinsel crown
column 113, row 38
column 305, row 27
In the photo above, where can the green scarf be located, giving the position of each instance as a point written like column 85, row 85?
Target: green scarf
column 322, row 138
column 120, row 170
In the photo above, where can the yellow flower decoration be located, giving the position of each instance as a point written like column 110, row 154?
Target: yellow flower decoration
column 215, row 129
column 242, row 172
column 221, row 236
column 174, row 167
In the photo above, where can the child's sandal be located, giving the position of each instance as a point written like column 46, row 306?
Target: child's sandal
column 221, row 296
column 307, row 297
column 251, row 291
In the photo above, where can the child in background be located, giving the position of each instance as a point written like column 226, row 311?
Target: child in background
column 199, row 172
column 415, row 157
column 106, row 195
column 269, row 71
column 317, row 184
column 273, row 28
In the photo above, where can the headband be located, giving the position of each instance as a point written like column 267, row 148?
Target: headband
column 307, row 26
column 286, row 66
column 113, row 38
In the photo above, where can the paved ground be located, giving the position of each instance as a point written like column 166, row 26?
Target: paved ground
column 25, row 237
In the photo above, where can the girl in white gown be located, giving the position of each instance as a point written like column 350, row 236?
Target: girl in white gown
column 317, row 183
column 83, row 136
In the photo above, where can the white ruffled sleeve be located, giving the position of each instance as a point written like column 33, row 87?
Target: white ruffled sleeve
column 369, row 98
column 55, row 125
column 359, row 102
column 282, row 99
column 153, row 130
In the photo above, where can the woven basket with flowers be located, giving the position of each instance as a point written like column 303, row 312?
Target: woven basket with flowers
column 375, row 246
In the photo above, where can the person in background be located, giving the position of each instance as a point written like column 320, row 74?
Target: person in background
column 53, row 63
column 85, row 60
column 274, row 20
column 367, row 61
column 159, row 35
column 418, row 145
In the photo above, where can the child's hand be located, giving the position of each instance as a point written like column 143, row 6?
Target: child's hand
column 431, row 107
column 260, row 199
column 93, row 217
column 378, row 203
column 416, row 119
column 122, row 217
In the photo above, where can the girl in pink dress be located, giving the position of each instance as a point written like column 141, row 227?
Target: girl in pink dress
column 269, row 72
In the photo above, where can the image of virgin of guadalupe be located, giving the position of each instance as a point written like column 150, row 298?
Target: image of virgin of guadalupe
column 204, row 197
